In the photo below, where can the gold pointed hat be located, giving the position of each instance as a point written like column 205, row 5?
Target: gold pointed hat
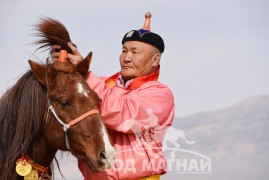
column 147, row 21
column 145, row 35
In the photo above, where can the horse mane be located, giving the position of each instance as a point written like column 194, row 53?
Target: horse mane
column 22, row 117
column 52, row 32
column 23, row 106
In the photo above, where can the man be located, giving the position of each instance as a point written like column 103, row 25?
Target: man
column 136, row 108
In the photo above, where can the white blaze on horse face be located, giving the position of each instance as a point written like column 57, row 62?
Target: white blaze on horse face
column 109, row 149
column 82, row 90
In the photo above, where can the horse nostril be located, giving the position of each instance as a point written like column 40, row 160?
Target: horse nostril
column 102, row 155
column 106, row 159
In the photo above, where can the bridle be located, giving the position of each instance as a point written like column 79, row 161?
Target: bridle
column 71, row 123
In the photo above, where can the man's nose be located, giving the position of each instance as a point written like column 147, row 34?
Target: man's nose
column 128, row 57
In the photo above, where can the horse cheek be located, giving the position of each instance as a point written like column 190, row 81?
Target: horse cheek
column 55, row 135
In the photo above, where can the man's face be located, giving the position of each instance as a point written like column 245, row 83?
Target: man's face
column 138, row 59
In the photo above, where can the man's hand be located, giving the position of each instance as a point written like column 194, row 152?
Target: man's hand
column 75, row 58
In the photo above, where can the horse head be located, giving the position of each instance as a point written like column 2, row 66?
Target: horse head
column 71, row 97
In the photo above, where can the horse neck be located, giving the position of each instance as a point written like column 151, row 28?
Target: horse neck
column 22, row 119
column 42, row 153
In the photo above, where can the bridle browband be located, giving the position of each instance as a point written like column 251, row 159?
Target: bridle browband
column 71, row 123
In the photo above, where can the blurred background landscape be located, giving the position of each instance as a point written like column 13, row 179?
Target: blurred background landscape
column 235, row 138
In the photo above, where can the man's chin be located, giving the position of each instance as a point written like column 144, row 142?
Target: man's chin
column 127, row 76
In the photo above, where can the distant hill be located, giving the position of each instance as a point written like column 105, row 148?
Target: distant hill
column 243, row 124
column 236, row 138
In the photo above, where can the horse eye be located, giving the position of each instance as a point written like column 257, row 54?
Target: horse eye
column 65, row 103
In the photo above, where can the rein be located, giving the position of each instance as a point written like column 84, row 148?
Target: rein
column 71, row 123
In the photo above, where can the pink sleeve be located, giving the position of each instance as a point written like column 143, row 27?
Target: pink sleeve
column 121, row 108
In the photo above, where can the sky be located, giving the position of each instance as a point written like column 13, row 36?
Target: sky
column 216, row 51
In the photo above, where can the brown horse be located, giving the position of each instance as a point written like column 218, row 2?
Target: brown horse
column 51, row 107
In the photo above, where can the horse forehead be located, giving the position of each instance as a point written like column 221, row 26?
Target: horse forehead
column 65, row 67
column 82, row 90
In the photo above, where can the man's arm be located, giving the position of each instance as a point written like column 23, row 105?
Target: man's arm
column 152, row 101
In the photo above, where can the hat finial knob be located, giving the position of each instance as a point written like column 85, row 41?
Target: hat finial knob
column 147, row 21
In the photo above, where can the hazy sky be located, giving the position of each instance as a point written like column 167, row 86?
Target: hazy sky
column 217, row 51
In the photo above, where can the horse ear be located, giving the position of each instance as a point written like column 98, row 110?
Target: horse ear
column 39, row 72
column 84, row 65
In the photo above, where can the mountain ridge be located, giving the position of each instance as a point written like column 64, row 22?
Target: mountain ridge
column 235, row 138
column 238, row 129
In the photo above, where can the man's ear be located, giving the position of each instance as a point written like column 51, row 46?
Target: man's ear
column 156, row 59
column 84, row 65
column 39, row 72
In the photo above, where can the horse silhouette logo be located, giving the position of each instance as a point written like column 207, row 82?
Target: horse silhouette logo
column 172, row 136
